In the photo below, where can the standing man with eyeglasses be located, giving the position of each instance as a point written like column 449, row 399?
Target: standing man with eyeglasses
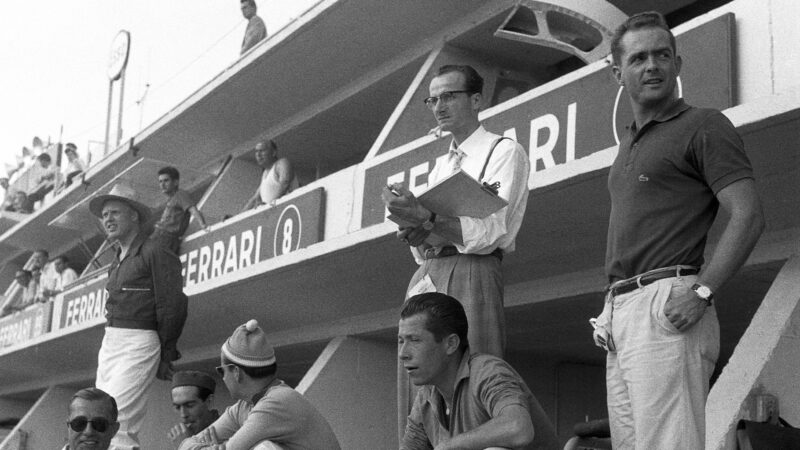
column 92, row 420
column 461, row 256
column 676, row 167
column 145, row 311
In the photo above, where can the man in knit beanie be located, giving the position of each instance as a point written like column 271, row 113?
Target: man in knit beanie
column 267, row 408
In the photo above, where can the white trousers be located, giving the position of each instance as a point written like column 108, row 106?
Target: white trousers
column 126, row 367
column 657, row 380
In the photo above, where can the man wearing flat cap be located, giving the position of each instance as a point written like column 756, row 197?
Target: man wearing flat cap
column 192, row 397
column 145, row 311
column 267, row 408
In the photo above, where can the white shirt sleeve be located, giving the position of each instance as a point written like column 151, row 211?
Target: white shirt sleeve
column 511, row 167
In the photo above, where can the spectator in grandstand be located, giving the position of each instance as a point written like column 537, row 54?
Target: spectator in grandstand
column 465, row 400
column 92, row 420
column 49, row 276
column 256, row 30
column 267, row 409
column 192, row 398
column 28, row 296
column 461, row 256
column 43, row 174
column 64, row 276
column 145, row 310
column 677, row 166
column 75, row 165
column 21, row 203
column 277, row 178
column 174, row 220
column 6, row 199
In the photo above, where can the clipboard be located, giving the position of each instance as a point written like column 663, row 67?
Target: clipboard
column 457, row 195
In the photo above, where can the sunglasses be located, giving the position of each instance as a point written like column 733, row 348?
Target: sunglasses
column 221, row 369
column 78, row 424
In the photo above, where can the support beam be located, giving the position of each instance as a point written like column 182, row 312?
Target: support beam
column 39, row 424
column 361, row 373
column 767, row 358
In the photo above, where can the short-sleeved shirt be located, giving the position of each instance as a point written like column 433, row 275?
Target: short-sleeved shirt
column 663, row 185
column 484, row 386
column 255, row 32
column 175, row 218
column 278, row 414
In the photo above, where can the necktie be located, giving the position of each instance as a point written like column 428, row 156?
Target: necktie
column 456, row 157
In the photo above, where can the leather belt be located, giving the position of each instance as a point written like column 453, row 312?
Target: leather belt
column 444, row 252
column 631, row 284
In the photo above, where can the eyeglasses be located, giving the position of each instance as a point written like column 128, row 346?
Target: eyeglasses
column 78, row 424
column 221, row 370
column 445, row 97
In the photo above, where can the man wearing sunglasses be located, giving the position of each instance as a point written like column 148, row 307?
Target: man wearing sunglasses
column 92, row 420
column 461, row 256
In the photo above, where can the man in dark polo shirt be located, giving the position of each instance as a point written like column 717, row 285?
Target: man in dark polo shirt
column 145, row 311
column 676, row 167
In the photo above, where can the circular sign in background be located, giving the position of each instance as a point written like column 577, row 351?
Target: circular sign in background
column 287, row 231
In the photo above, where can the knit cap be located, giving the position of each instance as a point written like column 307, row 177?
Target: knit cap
column 248, row 346
column 193, row 378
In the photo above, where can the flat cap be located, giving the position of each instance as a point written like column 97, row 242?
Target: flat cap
column 193, row 378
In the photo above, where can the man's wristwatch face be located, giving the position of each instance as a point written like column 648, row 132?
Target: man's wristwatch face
column 704, row 292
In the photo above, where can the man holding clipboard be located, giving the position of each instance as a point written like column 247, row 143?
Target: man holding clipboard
column 460, row 255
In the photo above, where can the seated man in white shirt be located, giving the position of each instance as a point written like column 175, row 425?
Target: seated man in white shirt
column 75, row 165
column 44, row 174
column 64, row 275
column 277, row 178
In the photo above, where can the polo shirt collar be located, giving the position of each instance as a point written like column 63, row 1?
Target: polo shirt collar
column 461, row 374
column 673, row 110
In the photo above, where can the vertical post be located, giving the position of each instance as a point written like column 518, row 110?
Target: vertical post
column 108, row 117
column 121, row 96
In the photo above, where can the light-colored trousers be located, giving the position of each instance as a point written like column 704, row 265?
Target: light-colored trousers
column 126, row 367
column 657, row 380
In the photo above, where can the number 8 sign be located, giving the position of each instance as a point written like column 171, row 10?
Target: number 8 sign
column 287, row 233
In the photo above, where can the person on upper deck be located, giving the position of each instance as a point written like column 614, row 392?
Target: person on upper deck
column 28, row 295
column 256, row 30
column 75, row 166
column 676, row 166
column 174, row 221
column 21, row 204
column 277, row 178
column 64, row 275
column 44, row 175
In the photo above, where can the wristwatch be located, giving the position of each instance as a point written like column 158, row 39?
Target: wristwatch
column 704, row 292
column 428, row 224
